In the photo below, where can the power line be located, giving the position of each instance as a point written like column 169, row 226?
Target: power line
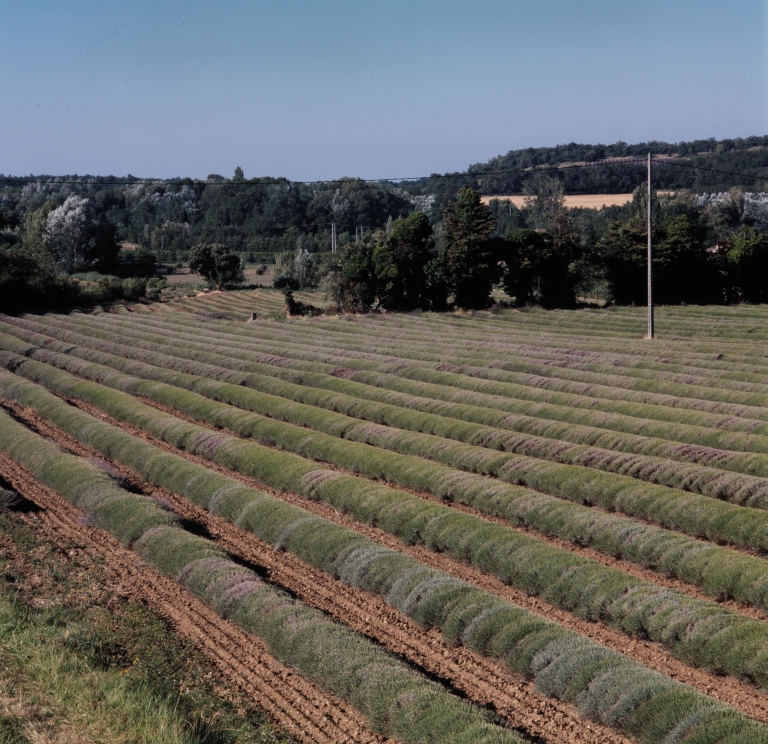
column 275, row 182
column 271, row 181
column 711, row 170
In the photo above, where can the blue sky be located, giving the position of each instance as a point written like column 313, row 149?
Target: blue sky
column 315, row 89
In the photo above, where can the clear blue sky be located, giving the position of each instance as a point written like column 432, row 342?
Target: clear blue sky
column 314, row 89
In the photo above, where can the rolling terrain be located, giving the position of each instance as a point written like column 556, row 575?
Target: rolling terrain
column 520, row 526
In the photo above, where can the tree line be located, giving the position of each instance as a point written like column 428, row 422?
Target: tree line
column 553, row 258
column 714, row 161
column 424, row 245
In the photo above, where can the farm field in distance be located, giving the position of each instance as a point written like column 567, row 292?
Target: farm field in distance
column 573, row 201
column 489, row 527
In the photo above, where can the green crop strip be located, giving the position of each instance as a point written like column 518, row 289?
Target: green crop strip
column 482, row 409
column 395, row 700
column 595, row 387
column 718, row 571
column 605, row 685
column 743, row 490
column 594, row 393
column 449, row 350
column 655, row 395
column 699, row 632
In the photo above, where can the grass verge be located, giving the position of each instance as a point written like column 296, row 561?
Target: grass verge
column 80, row 664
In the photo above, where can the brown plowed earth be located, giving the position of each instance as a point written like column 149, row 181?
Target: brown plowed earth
column 481, row 679
column 745, row 697
column 628, row 567
column 289, row 700
column 633, row 569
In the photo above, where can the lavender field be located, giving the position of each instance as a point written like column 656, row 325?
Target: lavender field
column 529, row 525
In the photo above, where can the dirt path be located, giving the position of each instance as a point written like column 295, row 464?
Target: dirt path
column 482, row 680
column 292, row 702
column 744, row 697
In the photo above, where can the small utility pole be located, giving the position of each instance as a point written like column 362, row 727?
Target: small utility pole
column 333, row 237
column 650, row 252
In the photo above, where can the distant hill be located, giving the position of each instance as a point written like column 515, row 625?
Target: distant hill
column 507, row 174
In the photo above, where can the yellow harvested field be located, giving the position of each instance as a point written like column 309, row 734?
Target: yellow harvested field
column 587, row 201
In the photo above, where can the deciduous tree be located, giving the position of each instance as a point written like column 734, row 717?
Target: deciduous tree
column 217, row 264
column 77, row 240
column 400, row 261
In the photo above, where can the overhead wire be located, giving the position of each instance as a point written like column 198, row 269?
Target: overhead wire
column 392, row 180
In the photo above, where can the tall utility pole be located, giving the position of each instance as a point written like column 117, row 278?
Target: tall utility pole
column 333, row 237
column 650, row 252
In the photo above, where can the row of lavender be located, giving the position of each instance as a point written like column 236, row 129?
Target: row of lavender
column 690, row 323
column 189, row 346
column 673, row 508
column 599, row 379
column 395, row 700
column 723, row 415
column 702, row 633
column 587, row 396
column 605, row 685
column 581, row 336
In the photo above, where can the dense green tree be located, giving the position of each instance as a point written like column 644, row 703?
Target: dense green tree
column 400, row 261
column 33, row 230
column 468, row 253
column 78, row 240
column 748, row 264
column 682, row 269
column 520, row 252
column 216, row 264
column 623, row 252
column 539, row 266
column 508, row 174
column 351, row 280
column 350, row 202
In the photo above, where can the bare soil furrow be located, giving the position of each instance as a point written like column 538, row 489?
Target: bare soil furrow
column 744, row 697
column 628, row 567
column 292, row 702
column 482, row 680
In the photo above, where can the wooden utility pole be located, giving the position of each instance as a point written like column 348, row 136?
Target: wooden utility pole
column 650, row 252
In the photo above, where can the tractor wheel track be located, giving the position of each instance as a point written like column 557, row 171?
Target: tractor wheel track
column 290, row 701
column 481, row 679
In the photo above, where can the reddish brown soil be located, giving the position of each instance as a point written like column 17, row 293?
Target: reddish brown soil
column 484, row 681
column 289, row 700
column 633, row 569
column 746, row 698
